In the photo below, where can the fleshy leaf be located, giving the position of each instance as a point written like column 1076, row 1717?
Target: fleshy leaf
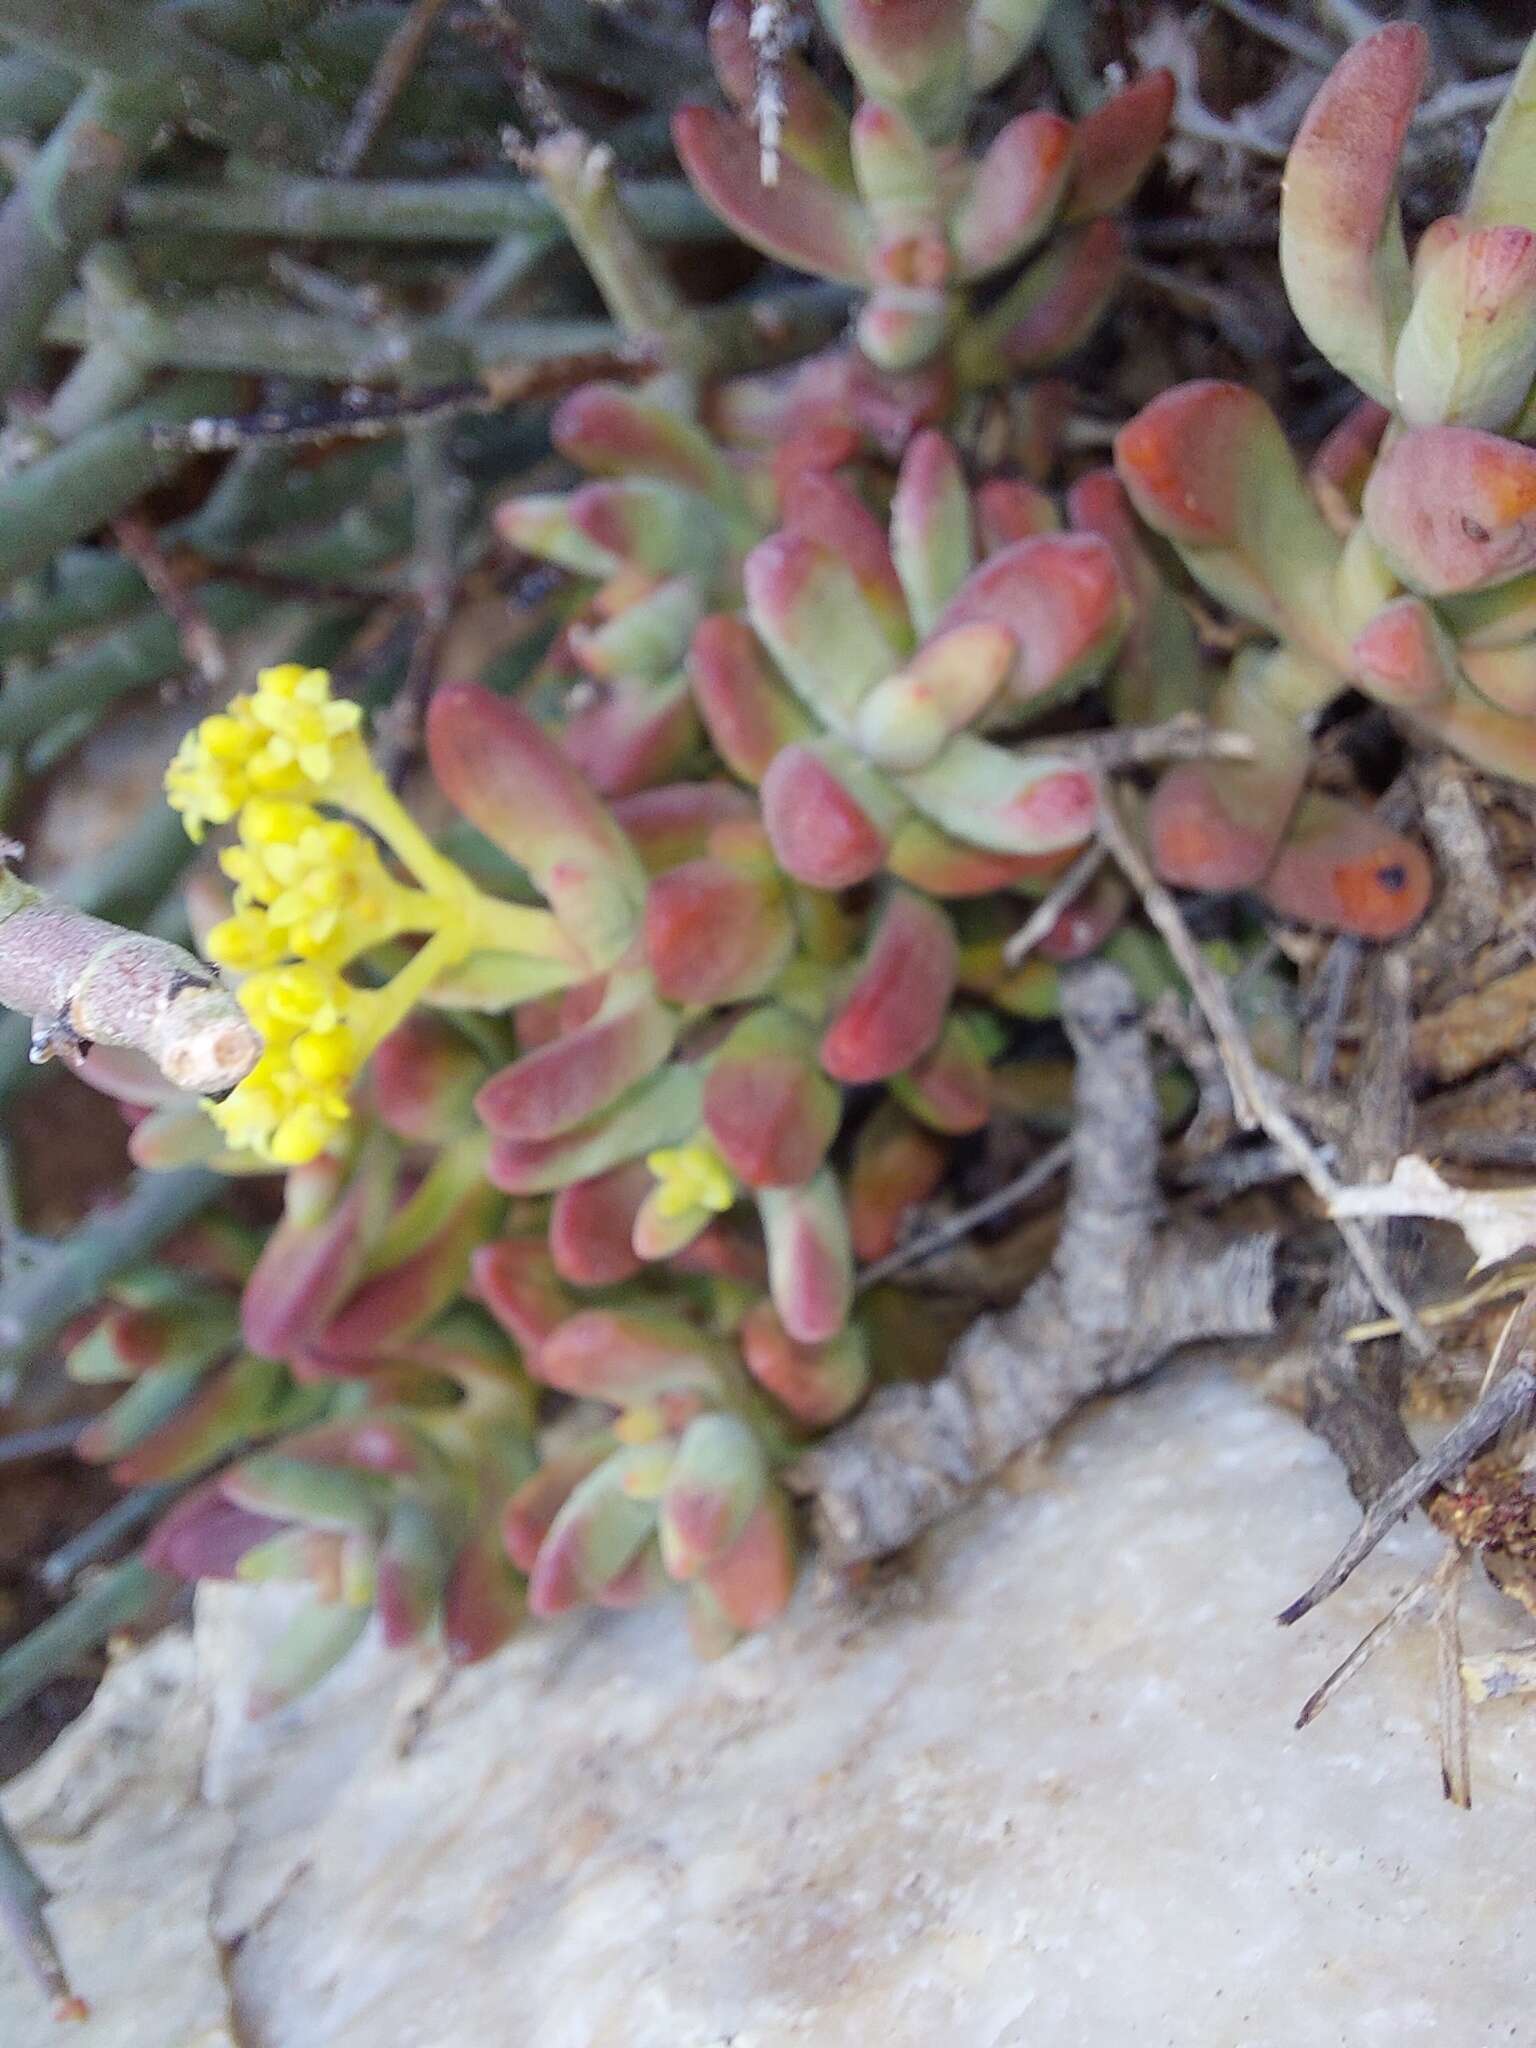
column 813, row 128
column 894, row 1010
column 1341, row 868
column 1061, row 598
column 517, row 786
column 899, row 181
column 942, row 865
column 833, row 515
column 613, row 432
column 422, row 1079
column 309, row 1267
column 716, row 931
column 672, row 823
column 1467, row 356
column 407, row 1295
column 1405, row 656
column 532, row 1508
column 592, row 1224
column 1117, row 144
column 910, row 54
column 1341, row 236
column 576, row 1077
column 810, row 1260
column 1050, row 311
column 931, row 528
column 1007, row 801
column 629, row 1357
column 770, row 1110
column 597, row 1532
column 802, row 220
column 1453, row 509
column 1157, row 671
column 949, row 1088
column 1217, row 824
column 749, row 713
column 1338, row 472
column 815, row 621
column 518, row 1281
column 817, row 1384
column 1503, row 190
column 1014, row 194
column 1000, row 32
column 1207, row 466
column 828, row 814
column 663, row 1110
column 716, row 1481
column 896, row 1166
column 906, row 721
column 633, row 733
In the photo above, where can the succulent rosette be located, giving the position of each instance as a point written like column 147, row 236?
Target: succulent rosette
column 1404, row 562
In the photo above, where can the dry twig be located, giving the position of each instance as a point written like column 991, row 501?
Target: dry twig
column 1122, row 1291
column 1255, row 1101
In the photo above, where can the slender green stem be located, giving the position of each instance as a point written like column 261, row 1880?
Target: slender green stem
column 225, row 95
column 70, row 1275
column 398, row 209
column 578, row 175
column 35, row 94
column 97, row 475
column 264, row 335
column 148, row 648
column 66, row 199
column 125, row 1518
column 136, row 655
column 23, row 1896
column 118, row 1597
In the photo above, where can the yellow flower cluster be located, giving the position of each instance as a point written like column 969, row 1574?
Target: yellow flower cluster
column 689, row 1177
column 288, row 737
column 312, row 893
column 294, row 1101
column 309, row 886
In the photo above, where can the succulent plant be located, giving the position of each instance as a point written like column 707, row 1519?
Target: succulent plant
column 581, row 1162
column 890, row 203
column 1403, row 563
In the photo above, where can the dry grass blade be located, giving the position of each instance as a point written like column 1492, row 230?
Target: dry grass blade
column 1507, row 1398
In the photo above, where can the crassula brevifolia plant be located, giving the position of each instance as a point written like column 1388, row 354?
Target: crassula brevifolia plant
column 1404, row 563
column 622, row 1127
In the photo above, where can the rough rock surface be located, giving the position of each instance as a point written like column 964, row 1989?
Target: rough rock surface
column 1042, row 1789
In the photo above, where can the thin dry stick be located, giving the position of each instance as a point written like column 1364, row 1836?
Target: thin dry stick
column 86, row 982
column 1255, row 1102
column 397, row 60
column 769, row 29
column 1034, row 1177
column 1403, row 1608
column 1184, row 737
column 200, row 641
column 1507, row 1398
column 1051, row 906
column 1283, row 33
column 1455, row 1755
column 360, row 413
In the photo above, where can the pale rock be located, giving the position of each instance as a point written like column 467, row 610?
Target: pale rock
column 1039, row 1791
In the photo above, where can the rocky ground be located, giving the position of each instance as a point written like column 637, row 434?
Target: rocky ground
column 1043, row 1787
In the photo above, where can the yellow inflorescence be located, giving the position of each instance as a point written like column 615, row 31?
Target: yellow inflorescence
column 312, row 893
column 288, row 738
column 294, row 1101
column 690, row 1177
column 309, row 885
